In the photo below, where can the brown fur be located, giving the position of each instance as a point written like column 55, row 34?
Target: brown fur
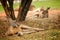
column 12, row 30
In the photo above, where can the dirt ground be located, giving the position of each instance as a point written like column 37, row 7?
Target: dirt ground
column 51, row 11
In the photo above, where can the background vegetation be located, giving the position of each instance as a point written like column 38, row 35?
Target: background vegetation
column 48, row 3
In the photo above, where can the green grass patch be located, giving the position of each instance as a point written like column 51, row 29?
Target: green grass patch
column 16, row 5
column 1, row 8
column 52, row 4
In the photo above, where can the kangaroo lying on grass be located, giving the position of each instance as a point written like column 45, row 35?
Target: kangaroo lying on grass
column 44, row 12
column 21, row 30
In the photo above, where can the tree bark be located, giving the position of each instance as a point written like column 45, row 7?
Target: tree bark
column 8, row 9
column 11, row 9
column 5, row 6
column 25, row 4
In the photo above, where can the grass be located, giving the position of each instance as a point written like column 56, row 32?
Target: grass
column 52, row 4
column 1, row 8
column 16, row 5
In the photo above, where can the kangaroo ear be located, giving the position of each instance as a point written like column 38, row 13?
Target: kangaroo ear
column 48, row 8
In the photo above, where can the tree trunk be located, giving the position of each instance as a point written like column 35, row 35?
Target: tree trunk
column 25, row 4
column 8, row 9
column 5, row 6
column 24, row 7
column 11, row 9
